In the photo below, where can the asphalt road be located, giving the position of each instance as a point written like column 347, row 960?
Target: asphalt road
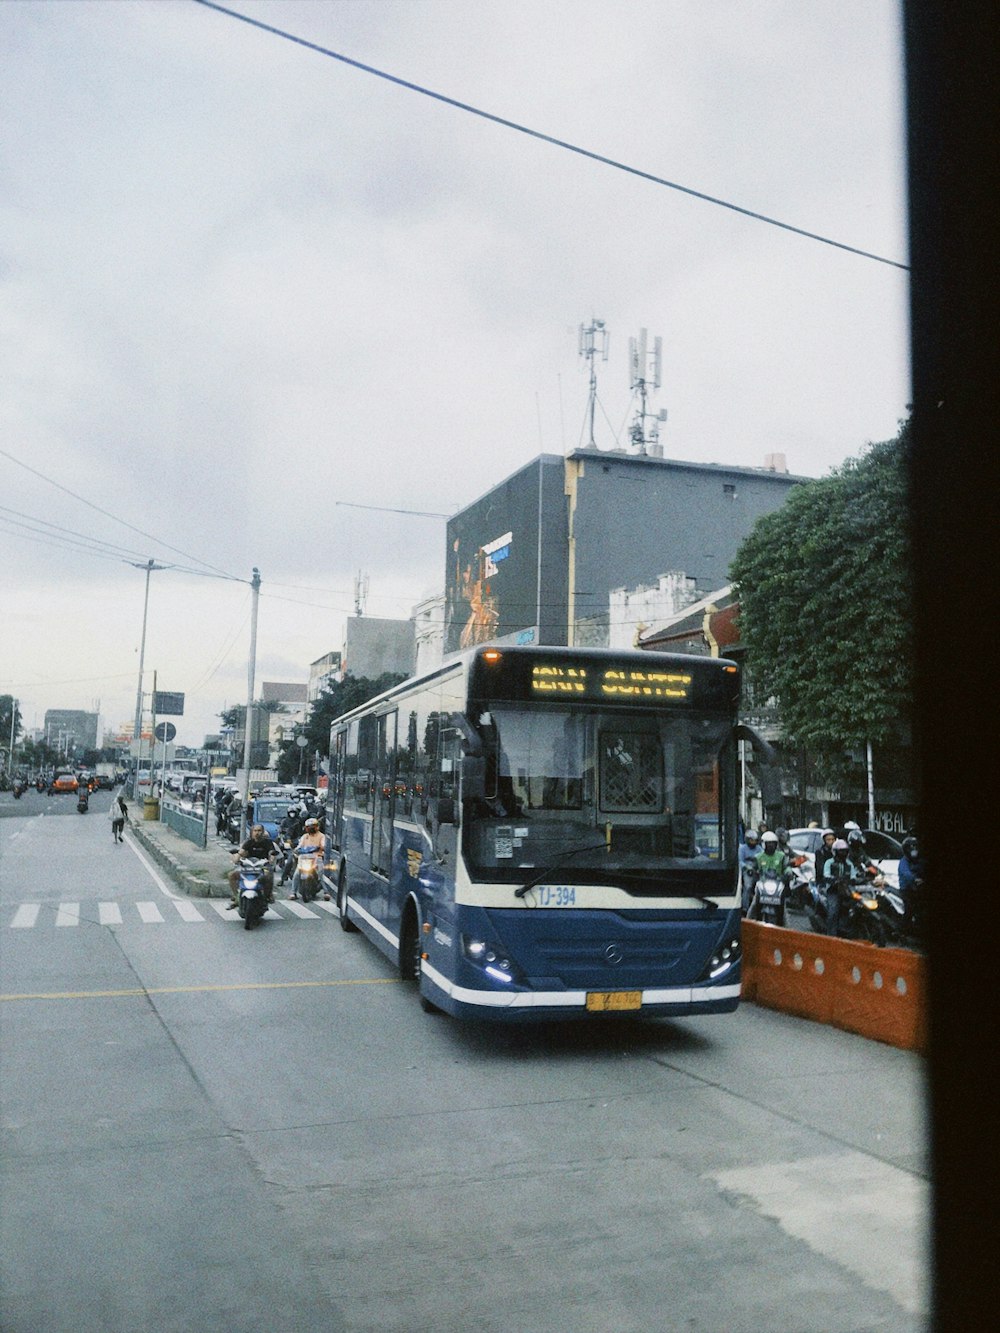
column 206, row 1128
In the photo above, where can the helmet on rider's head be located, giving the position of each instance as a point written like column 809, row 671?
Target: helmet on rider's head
column 769, row 841
column 910, row 847
column 782, row 835
column 312, row 823
column 855, row 838
column 850, row 825
column 751, row 837
column 294, row 810
column 840, row 849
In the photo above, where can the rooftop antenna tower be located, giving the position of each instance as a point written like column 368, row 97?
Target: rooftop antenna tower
column 594, row 340
column 645, row 375
column 360, row 593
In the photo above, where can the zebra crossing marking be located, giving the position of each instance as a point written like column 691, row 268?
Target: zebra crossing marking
column 29, row 915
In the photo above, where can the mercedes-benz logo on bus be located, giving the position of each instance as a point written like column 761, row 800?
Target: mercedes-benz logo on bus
column 613, row 953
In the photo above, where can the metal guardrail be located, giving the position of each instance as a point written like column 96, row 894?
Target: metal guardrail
column 188, row 825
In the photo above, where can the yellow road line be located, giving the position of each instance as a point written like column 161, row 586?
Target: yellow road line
column 193, row 990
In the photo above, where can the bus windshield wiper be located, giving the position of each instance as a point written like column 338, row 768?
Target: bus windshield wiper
column 553, row 865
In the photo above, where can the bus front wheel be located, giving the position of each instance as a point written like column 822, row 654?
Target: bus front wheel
column 411, row 958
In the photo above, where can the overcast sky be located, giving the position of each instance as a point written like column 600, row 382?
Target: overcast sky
column 242, row 281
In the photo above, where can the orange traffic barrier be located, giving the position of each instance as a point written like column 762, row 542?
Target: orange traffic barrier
column 878, row 993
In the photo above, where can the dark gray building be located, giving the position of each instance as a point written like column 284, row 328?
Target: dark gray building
column 71, row 730
column 534, row 560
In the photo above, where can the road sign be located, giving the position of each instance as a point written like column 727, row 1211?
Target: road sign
column 165, row 731
column 168, row 705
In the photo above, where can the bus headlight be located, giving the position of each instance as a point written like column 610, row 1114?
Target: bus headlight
column 726, row 956
column 486, row 956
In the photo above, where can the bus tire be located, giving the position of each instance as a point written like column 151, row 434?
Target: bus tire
column 409, row 945
column 411, row 955
column 346, row 923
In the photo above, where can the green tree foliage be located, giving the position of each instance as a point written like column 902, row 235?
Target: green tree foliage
column 825, row 606
column 338, row 697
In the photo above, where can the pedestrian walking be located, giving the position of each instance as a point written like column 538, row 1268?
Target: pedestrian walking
column 118, row 815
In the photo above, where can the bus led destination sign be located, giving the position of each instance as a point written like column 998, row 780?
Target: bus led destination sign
column 632, row 685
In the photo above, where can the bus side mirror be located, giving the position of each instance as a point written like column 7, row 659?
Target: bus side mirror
column 446, row 811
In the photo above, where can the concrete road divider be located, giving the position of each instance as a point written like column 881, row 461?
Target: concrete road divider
column 877, row 993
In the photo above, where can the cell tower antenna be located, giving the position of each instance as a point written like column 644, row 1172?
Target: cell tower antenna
column 594, row 341
column 645, row 375
column 360, row 593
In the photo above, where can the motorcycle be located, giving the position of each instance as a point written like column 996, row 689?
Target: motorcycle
column 860, row 915
column 309, row 868
column 286, row 858
column 252, row 902
column 900, row 930
column 768, row 902
column 83, row 800
column 19, row 789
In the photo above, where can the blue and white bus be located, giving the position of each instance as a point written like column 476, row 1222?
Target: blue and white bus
column 538, row 833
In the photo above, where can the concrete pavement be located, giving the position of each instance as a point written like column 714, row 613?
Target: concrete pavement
column 198, row 871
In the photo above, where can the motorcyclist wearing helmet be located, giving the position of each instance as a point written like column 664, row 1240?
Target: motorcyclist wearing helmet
column 312, row 839
column 289, row 832
column 862, row 866
column 292, row 824
column 837, row 875
column 823, row 853
column 771, row 857
column 749, row 847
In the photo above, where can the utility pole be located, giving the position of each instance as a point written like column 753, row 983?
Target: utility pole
column 251, row 672
column 149, row 567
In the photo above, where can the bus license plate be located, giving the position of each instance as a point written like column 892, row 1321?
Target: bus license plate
column 603, row 1001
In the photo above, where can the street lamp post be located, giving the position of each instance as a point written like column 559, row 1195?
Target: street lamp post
column 149, row 567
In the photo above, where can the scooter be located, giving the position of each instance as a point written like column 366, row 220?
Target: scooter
column 19, row 789
column 83, row 800
column 768, row 902
column 309, row 868
column 252, row 903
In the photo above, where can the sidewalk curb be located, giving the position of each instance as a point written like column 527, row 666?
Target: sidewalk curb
column 193, row 885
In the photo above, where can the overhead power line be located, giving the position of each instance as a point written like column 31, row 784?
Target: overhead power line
column 547, row 138
column 384, row 509
column 220, row 573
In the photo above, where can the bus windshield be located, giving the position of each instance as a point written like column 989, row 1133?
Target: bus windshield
column 609, row 791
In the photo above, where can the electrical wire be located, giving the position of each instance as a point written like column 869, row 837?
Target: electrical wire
column 114, row 517
column 384, row 509
column 111, row 547
column 548, row 138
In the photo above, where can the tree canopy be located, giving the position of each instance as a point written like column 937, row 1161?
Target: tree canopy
column 825, row 606
column 338, row 697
